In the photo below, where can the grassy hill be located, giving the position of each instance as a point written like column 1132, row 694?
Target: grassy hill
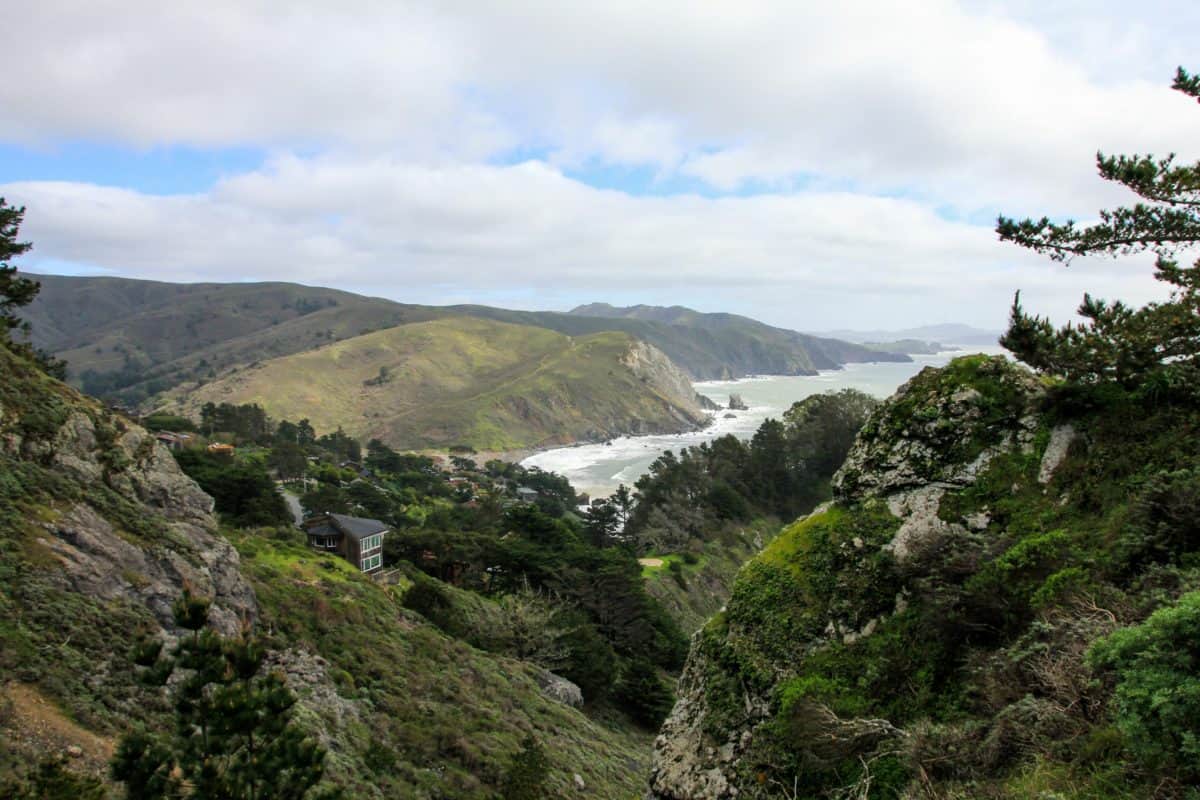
column 488, row 384
column 715, row 346
column 131, row 339
column 135, row 338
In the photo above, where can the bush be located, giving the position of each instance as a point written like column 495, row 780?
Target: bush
column 644, row 694
column 1156, row 704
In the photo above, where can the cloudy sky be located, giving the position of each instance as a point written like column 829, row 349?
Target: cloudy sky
column 812, row 164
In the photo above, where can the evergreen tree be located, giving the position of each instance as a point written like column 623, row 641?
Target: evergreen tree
column 1120, row 343
column 233, row 737
column 16, row 292
column 526, row 775
column 645, row 694
column 600, row 522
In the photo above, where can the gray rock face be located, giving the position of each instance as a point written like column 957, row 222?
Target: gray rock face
column 317, row 696
column 559, row 688
column 100, row 559
column 687, row 763
column 1060, row 442
column 934, row 431
column 652, row 366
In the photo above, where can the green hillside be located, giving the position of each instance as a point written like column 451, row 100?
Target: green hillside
column 714, row 346
column 491, row 385
column 134, row 338
column 131, row 339
column 100, row 532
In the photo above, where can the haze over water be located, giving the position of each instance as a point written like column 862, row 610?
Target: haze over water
column 598, row 468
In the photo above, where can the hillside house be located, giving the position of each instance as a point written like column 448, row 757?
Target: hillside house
column 527, row 495
column 174, row 441
column 356, row 539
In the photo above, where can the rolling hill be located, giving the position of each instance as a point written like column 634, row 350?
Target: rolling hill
column 461, row 380
column 132, row 339
column 719, row 346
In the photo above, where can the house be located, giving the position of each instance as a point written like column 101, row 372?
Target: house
column 356, row 539
column 221, row 449
column 527, row 495
column 173, row 441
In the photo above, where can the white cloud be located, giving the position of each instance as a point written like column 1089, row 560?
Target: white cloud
column 853, row 121
column 424, row 233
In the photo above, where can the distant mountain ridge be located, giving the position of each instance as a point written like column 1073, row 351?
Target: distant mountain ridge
column 132, row 339
column 742, row 346
column 945, row 333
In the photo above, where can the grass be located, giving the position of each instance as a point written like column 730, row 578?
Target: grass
column 439, row 717
column 490, row 385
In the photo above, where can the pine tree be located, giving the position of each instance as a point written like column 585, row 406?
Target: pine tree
column 526, row 775
column 234, row 736
column 16, row 292
column 1118, row 342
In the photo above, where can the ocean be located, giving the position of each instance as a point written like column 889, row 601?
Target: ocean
column 598, row 469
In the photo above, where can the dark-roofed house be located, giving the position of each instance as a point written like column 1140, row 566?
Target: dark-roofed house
column 358, row 540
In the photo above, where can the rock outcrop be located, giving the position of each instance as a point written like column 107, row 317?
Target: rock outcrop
column 745, row 684
column 120, row 518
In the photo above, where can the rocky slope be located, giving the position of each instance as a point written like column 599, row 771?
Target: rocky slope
column 926, row 634
column 100, row 532
column 487, row 384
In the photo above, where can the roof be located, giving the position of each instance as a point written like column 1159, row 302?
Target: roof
column 357, row 527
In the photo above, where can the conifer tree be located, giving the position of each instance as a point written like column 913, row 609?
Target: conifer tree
column 234, row 736
column 16, row 292
column 526, row 775
column 1118, row 342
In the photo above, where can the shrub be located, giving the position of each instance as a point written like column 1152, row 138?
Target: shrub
column 1156, row 704
column 644, row 694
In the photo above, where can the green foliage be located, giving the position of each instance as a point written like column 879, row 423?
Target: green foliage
column 168, row 422
column 15, row 292
column 526, row 775
column 1157, row 697
column 50, row 779
column 428, row 698
column 782, row 472
column 642, row 691
column 242, row 489
column 1118, row 342
column 234, row 734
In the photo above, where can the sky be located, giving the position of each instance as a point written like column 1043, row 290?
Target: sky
column 814, row 165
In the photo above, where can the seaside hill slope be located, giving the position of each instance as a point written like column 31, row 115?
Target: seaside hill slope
column 723, row 346
column 129, row 340
column 100, row 531
column 1001, row 601
column 486, row 384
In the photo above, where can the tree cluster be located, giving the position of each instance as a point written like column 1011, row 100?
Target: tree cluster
column 234, row 735
column 783, row 471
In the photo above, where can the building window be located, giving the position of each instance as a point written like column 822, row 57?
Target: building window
column 371, row 543
column 371, row 562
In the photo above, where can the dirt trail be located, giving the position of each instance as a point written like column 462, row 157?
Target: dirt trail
column 33, row 725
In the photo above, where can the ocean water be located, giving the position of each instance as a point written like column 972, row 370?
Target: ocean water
column 599, row 468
